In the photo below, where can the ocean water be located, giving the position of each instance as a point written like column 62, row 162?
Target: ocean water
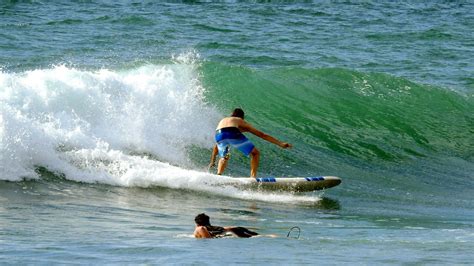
column 108, row 108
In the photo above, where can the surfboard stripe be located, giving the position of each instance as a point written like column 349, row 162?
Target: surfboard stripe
column 314, row 178
column 266, row 179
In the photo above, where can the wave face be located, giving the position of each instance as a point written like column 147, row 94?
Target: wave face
column 365, row 115
column 373, row 129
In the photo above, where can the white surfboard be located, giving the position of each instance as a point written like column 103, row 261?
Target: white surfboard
column 294, row 184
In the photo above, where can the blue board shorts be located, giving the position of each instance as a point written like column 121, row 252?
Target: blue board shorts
column 231, row 136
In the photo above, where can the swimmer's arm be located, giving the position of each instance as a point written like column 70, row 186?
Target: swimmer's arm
column 201, row 232
column 246, row 127
column 213, row 157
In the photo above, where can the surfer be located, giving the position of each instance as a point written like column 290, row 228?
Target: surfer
column 204, row 229
column 229, row 133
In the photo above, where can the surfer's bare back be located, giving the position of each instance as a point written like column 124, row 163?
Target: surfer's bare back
column 229, row 133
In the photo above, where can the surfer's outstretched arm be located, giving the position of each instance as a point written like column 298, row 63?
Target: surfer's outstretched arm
column 247, row 127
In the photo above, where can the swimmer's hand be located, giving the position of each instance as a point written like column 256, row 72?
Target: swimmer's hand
column 285, row 145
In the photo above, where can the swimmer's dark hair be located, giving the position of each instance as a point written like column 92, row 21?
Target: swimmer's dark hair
column 202, row 220
column 238, row 112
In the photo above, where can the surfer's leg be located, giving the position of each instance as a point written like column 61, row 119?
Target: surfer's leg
column 223, row 148
column 222, row 165
column 254, row 159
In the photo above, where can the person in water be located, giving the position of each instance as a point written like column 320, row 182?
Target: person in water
column 204, row 229
column 229, row 133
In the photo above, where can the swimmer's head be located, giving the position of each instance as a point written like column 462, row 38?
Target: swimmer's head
column 202, row 220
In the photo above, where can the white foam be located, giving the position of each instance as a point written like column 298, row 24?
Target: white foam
column 116, row 168
column 157, row 109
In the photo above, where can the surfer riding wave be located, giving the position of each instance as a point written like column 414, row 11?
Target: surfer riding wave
column 229, row 134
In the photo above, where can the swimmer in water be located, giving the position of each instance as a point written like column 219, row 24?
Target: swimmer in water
column 204, row 229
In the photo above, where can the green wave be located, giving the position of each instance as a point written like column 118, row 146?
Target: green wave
column 368, row 116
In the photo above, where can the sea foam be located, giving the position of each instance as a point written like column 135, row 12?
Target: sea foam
column 47, row 114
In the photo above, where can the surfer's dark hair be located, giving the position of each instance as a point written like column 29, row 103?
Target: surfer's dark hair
column 238, row 112
column 202, row 220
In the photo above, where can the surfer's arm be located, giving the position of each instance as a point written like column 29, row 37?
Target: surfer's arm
column 213, row 157
column 247, row 127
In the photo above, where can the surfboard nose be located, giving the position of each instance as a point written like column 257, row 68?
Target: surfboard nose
column 332, row 181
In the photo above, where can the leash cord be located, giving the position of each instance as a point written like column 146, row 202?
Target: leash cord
column 291, row 229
